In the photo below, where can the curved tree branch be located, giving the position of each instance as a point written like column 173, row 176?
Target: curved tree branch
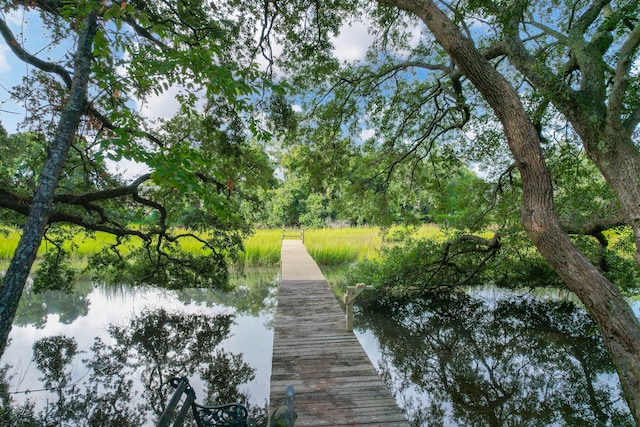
column 15, row 47
column 621, row 82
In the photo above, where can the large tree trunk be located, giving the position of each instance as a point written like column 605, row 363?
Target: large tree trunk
column 606, row 138
column 618, row 159
column 618, row 325
column 25, row 254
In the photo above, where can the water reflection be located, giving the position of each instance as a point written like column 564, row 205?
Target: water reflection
column 35, row 308
column 485, row 359
column 514, row 361
column 123, row 382
column 102, row 355
column 250, row 296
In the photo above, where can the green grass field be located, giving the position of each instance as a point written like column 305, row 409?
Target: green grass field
column 342, row 245
column 337, row 246
column 262, row 248
column 81, row 245
column 329, row 246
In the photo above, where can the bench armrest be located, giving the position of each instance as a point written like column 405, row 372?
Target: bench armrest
column 227, row 415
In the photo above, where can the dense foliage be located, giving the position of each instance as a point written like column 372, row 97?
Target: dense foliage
column 511, row 87
column 194, row 170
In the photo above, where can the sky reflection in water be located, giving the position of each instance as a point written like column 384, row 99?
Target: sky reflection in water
column 494, row 358
column 484, row 358
column 222, row 342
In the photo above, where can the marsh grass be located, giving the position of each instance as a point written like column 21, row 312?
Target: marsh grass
column 337, row 246
column 331, row 247
column 81, row 245
column 427, row 231
column 262, row 248
column 8, row 242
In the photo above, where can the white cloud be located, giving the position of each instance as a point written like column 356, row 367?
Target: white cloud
column 128, row 169
column 366, row 134
column 4, row 64
column 352, row 42
column 18, row 17
column 635, row 68
column 163, row 106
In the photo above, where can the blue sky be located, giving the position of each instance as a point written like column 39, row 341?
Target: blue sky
column 28, row 30
column 10, row 74
column 350, row 45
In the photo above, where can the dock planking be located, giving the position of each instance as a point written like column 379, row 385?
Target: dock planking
column 335, row 382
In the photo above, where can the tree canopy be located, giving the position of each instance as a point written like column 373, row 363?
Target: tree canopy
column 539, row 76
column 84, row 111
column 533, row 95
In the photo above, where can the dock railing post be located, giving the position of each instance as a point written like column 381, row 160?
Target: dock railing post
column 349, row 298
column 291, row 232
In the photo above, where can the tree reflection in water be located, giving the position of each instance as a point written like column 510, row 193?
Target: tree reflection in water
column 253, row 294
column 514, row 362
column 124, row 382
column 34, row 308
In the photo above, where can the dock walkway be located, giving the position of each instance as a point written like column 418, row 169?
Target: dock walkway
column 335, row 382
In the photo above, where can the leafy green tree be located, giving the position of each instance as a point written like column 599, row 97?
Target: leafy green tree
column 421, row 90
column 83, row 112
column 283, row 204
column 21, row 155
column 315, row 211
column 39, row 212
column 294, row 203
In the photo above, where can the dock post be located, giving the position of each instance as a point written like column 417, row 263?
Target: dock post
column 349, row 298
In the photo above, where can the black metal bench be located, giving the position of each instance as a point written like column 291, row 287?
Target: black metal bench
column 228, row 415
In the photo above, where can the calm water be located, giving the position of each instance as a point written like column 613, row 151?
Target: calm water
column 494, row 358
column 129, row 341
column 485, row 358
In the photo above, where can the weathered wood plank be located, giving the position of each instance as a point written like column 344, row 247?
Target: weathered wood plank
column 335, row 382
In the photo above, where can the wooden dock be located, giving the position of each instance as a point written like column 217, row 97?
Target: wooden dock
column 335, row 382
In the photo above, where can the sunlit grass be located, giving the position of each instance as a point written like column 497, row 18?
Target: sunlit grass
column 426, row 231
column 262, row 248
column 621, row 241
column 337, row 246
column 8, row 242
column 86, row 245
column 333, row 246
